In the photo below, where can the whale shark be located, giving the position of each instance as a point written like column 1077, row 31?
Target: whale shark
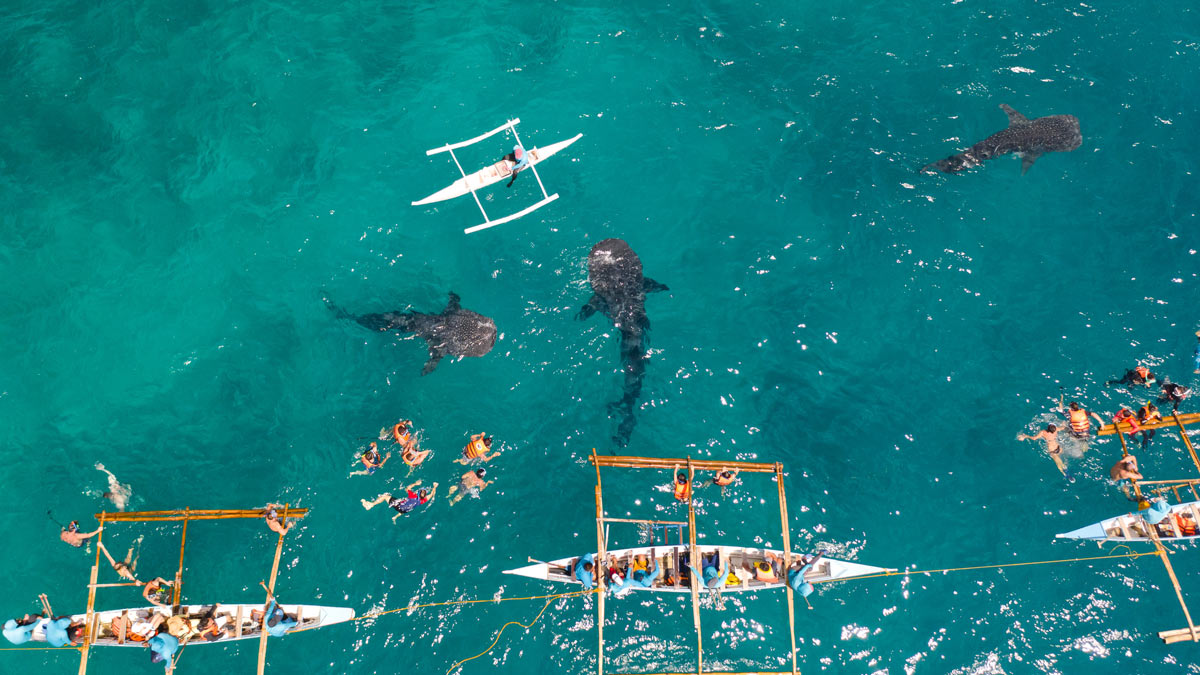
column 1028, row 138
column 455, row 331
column 619, row 292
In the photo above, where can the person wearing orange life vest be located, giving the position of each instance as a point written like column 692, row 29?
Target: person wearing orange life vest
column 402, row 434
column 1125, row 417
column 477, row 449
column 1148, row 414
column 681, row 486
column 1138, row 377
column 372, row 461
column 1078, row 420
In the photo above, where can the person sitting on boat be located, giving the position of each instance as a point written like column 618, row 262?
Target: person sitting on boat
column 1148, row 414
column 20, row 631
column 583, row 571
column 127, row 568
column 477, row 449
column 278, row 622
column 1078, row 419
column 71, row 534
column 1173, row 393
column 156, row 591
column 796, row 576
column 682, row 487
column 471, row 483
column 372, row 461
column 641, row 576
column 712, row 578
column 1053, row 447
column 271, row 514
column 521, row 158
column 406, row 504
column 58, row 631
column 1138, row 377
column 209, row 629
column 1157, row 511
column 162, row 647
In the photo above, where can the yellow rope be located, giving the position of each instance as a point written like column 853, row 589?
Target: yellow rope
column 494, row 642
column 906, row 573
column 18, row 649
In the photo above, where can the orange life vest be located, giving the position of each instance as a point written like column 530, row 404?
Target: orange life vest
column 475, row 449
column 683, row 491
column 1145, row 416
column 1187, row 527
column 1079, row 421
column 1142, row 371
column 401, row 433
column 1124, row 415
column 767, row 576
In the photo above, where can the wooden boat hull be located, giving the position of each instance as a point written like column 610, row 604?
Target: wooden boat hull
column 229, row 616
column 493, row 174
column 1132, row 527
column 671, row 558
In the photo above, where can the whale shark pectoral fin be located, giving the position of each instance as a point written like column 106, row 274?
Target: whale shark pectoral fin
column 435, row 356
column 651, row 286
column 452, row 305
column 1014, row 117
column 1027, row 160
column 596, row 304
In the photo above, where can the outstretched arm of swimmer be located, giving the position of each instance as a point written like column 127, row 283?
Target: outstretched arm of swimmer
column 103, row 549
column 93, row 533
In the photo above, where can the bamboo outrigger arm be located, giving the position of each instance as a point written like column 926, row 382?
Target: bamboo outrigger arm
column 668, row 463
column 1180, row 420
column 199, row 514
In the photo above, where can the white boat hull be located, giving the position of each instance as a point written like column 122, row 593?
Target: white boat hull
column 227, row 616
column 1133, row 527
column 670, row 557
column 492, row 174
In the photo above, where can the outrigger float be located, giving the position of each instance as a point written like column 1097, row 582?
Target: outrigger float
column 1180, row 523
column 241, row 621
column 494, row 174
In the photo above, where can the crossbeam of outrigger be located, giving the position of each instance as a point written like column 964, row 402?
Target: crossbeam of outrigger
column 629, row 462
column 183, row 515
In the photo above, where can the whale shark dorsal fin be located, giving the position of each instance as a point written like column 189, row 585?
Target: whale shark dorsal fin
column 1028, row 159
column 452, row 305
column 650, row 286
column 1014, row 117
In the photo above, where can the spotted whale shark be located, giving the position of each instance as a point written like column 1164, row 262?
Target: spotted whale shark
column 1028, row 138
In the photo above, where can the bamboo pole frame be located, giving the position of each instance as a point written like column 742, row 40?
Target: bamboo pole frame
column 262, row 629
column 629, row 462
column 1186, row 418
column 198, row 514
column 1187, row 442
column 179, row 572
column 1162, row 555
column 89, row 622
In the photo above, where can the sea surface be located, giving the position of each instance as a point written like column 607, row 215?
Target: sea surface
column 182, row 184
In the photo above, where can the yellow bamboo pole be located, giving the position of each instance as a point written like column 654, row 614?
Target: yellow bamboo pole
column 1162, row 554
column 696, row 565
column 262, row 629
column 1186, row 418
column 667, row 463
column 91, row 603
column 179, row 572
column 1187, row 442
column 600, row 567
column 787, row 561
column 648, row 522
column 198, row 514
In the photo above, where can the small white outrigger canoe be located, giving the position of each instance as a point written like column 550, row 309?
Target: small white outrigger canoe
column 672, row 558
column 494, row 174
column 235, row 619
column 1181, row 524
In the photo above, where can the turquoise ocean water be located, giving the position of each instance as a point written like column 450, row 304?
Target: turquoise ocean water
column 182, row 184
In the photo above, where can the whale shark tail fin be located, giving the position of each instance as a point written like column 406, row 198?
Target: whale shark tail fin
column 1014, row 117
column 337, row 311
column 651, row 286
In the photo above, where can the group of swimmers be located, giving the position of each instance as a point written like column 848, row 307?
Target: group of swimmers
column 477, row 451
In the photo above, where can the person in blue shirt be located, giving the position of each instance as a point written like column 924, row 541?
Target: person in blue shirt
column 583, row 571
column 278, row 622
column 712, row 578
column 796, row 576
column 521, row 158
column 20, row 631
column 162, row 647
column 641, row 578
column 56, row 632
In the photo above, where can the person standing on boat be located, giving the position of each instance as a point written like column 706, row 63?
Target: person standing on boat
column 71, row 534
column 521, row 158
column 1053, row 448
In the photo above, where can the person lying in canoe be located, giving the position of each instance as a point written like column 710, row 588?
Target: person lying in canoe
column 521, row 158
column 405, row 504
column 471, row 483
column 372, row 461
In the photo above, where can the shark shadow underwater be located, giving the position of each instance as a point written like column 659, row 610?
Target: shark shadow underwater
column 1030, row 139
column 615, row 273
column 455, row 331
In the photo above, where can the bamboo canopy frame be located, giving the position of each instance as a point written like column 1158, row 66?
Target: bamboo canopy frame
column 91, row 622
column 629, row 462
